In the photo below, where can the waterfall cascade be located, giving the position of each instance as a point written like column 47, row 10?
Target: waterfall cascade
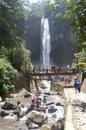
column 45, row 43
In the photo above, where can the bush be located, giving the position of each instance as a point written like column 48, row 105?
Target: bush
column 7, row 77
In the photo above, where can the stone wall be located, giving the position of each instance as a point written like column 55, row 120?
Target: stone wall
column 22, row 82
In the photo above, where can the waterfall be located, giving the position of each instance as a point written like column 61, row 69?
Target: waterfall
column 45, row 43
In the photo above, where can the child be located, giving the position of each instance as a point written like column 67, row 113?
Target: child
column 17, row 111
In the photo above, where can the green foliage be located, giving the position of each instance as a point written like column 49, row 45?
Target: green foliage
column 18, row 55
column 58, row 15
column 76, row 11
column 12, row 18
column 81, row 58
column 7, row 76
column 3, row 52
column 12, row 25
column 53, row 5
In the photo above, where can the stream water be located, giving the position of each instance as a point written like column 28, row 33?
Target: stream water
column 54, row 111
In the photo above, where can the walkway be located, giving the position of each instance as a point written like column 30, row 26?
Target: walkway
column 76, row 110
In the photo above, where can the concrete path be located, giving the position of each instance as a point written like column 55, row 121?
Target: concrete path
column 76, row 110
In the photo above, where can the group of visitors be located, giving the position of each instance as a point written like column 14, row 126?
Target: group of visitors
column 77, row 85
column 37, row 101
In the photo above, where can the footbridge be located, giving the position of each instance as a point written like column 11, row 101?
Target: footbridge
column 47, row 75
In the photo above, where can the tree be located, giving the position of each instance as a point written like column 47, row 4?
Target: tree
column 76, row 11
column 12, row 23
column 18, row 55
column 7, row 76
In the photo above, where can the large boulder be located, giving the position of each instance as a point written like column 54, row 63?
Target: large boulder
column 7, row 106
column 31, row 125
column 46, row 127
column 59, row 125
column 37, row 117
column 57, row 87
column 3, row 113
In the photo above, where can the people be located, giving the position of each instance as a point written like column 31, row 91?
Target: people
column 79, row 86
column 37, row 102
column 44, row 100
column 75, row 85
column 17, row 110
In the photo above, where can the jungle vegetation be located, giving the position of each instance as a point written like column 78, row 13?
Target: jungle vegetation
column 20, row 35
column 75, row 11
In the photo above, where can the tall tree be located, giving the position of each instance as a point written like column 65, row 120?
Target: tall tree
column 12, row 25
column 12, row 18
column 76, row 11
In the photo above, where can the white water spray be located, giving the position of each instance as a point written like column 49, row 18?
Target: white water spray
column 45, row 43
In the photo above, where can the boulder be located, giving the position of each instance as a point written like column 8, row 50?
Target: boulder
column 37, row 117
column 57, row 87
column 59, row 104
column 3, row 113
column 31, row 125
column 59, row 125
column 8, row 106
column 46, row 127
column 52, row 109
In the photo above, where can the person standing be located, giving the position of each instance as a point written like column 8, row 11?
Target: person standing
column 79, row 86
column 17, row 111
column 75, row 85
column 44, row 100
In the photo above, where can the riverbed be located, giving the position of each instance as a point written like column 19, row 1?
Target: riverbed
column 54, row 109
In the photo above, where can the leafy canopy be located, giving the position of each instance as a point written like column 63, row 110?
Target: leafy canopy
column 76, row 11
column 7, row 77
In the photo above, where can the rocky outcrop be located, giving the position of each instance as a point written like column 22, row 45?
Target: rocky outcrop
column 57, row 87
